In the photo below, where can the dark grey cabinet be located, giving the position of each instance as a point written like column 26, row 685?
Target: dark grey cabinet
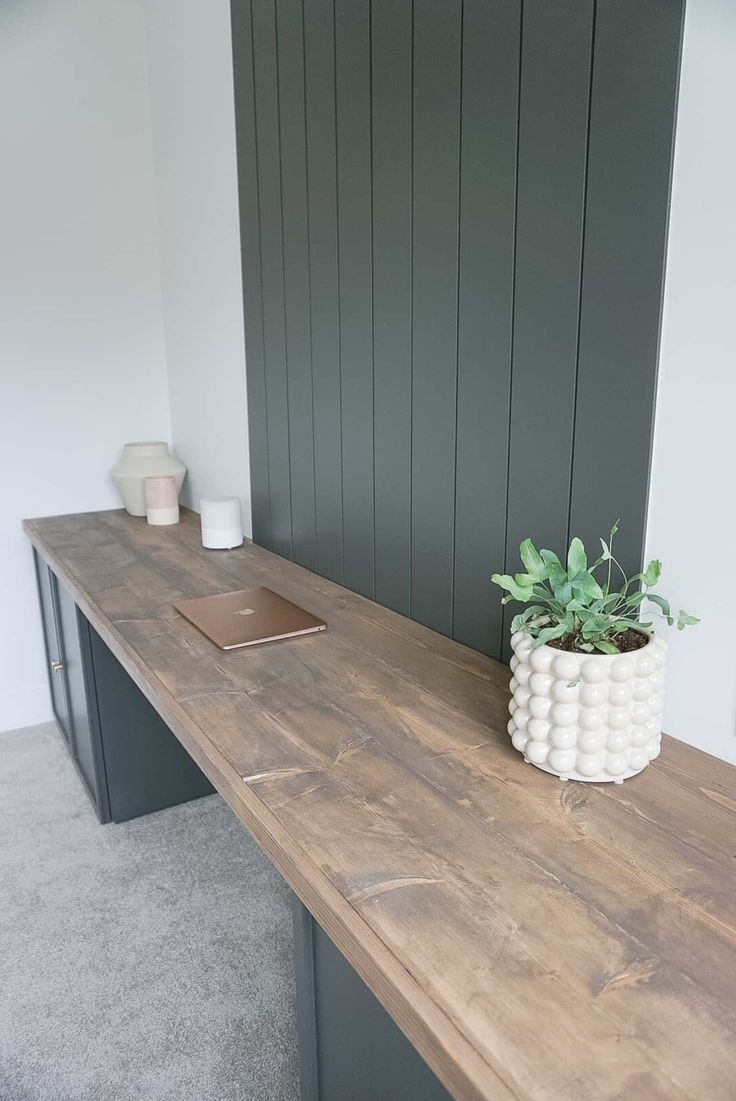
column 79, row 689
column 48, row 597
column 127, row 758
column 146, row 767
column 350, row 1049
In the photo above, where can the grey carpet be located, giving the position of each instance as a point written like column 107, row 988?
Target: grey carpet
column 150, row 960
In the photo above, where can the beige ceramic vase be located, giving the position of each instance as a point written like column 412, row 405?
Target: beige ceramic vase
column 138, row 462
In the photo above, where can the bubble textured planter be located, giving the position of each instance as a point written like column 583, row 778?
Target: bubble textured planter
column 593, row 717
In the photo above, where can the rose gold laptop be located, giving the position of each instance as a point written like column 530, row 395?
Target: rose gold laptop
column 248, row 617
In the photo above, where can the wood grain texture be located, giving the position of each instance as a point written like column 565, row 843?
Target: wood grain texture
column 534, row 940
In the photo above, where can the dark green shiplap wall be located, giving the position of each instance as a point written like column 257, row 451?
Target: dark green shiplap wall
column 453, row 218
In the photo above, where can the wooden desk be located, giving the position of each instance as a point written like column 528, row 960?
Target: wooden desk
column 533, row 939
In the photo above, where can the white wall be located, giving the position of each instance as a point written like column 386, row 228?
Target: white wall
column 190, row 65
column 82, row 365
column 692, row 507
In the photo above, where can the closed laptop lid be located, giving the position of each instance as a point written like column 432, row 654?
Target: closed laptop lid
column 247, row 617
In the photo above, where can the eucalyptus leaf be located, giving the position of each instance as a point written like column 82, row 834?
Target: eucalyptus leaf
column 525, row 580
column 584, row 614
column 606, row 647
column 555, row 569
column 548, row 633
column 524, row 617
column 594, row 627
column 622, row 625
column 550, row 558
column 652, row 573
column 577, row 560
column 584, row 582
column 563, row 592
column 662, row 604
column 518, row 592
column 684, row 620
column 533, row 561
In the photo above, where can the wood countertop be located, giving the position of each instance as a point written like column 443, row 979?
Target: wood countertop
column 534, row 940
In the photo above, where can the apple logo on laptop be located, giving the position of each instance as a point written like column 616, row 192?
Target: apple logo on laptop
column 245, row 611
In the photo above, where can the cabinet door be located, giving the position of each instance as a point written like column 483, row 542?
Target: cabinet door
column 48, row 596
column 82, row 703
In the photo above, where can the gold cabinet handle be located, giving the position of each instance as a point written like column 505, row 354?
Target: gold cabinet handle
column 56, row 666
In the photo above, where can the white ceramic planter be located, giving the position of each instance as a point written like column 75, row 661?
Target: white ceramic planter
column 139, row 461
column 593, row 717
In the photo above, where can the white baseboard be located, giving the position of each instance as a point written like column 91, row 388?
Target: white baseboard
column 25, row 708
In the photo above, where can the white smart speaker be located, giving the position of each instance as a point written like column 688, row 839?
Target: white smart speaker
column 222, row 527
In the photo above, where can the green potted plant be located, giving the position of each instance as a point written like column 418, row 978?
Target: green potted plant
column 587, row 690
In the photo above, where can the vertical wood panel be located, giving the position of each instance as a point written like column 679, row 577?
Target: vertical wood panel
column 272, row 271
column 392, row 219
column 325, row 313
column 553, row 127
column 250, row 252
column 296, row 277
column 437, row 51
column 553, row 123
column 491, row 41
column 625, row 240
column 353, row 98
